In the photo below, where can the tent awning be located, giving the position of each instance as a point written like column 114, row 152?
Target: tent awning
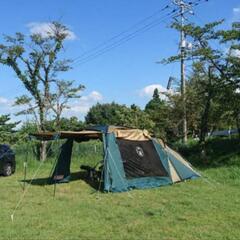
column 78, row 136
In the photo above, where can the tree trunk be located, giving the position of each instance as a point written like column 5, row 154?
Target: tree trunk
column 43, row 146
column 43, row 151
column 204, row 121
column 205, row 116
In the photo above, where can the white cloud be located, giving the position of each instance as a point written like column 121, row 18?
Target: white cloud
column 78, row 108
column 4, row 102
column 235, row 53
column 236, row 10
column 93, row 96
column 81, row 106
column 6, row 107
column 236, row 14
column 45, row 29
column 148, row 90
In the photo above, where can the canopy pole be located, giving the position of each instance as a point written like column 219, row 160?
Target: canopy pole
column 56, row 173
column 104, row 159
column 25, row 168
column 55, row 164
column 25, row 173
column 54, row 190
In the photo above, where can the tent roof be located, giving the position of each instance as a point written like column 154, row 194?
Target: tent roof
column 80, row 135
column 106, row 128
column 95, row 132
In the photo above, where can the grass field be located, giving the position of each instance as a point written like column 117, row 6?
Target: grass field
column 207, row 208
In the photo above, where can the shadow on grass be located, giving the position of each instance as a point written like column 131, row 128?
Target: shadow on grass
column 75, row 176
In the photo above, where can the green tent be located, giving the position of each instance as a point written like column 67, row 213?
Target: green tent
column 132, row 158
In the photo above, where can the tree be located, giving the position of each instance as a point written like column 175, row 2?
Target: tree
column 121, row 115
column 66, row 124
column 224, row 80
column 7, row 129
column 37, row 65
column 140, row 119
column 232, row 89
column 158, row 111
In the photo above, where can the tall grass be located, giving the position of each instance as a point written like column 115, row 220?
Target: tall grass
column 89, row 153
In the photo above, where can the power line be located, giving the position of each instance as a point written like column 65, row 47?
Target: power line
column 124, row 39
column 110, row 44
column 123, row 32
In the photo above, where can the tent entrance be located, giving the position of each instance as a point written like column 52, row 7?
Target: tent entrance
column 73, row 156
column 61, row 172
column 140, row 159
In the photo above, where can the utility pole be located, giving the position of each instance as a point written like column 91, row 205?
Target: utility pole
column 183, row 80
column 184, row 9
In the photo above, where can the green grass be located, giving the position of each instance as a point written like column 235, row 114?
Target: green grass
column 207, row 208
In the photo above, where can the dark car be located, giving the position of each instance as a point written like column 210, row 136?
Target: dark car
column 7, row 160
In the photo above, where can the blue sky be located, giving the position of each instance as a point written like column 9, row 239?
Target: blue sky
column 124, row 74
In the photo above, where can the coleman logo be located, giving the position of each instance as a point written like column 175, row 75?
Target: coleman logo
column 139, row 151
